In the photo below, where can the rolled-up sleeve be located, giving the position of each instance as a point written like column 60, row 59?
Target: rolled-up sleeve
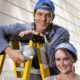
column 6, row 30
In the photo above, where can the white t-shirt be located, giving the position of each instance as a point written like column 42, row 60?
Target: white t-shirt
column 50, row 78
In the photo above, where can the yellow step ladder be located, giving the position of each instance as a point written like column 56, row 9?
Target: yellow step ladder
column 42, row 58
column 2, row 59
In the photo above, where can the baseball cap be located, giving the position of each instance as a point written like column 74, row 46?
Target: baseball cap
column 68, row 46
column 39, row 5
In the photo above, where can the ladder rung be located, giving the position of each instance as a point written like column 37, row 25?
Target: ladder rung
column 33, row 71
column 20, row 69
column 9, row 78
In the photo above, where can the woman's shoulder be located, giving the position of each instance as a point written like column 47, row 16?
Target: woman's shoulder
column 50, row 78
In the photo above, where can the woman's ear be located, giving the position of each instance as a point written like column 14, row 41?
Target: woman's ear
column 73, row 60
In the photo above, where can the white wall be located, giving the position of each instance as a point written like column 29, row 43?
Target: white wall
column 67, row 15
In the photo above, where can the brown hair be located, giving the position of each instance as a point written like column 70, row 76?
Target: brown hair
column 69, row 52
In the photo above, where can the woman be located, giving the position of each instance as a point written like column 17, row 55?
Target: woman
column 65, row 56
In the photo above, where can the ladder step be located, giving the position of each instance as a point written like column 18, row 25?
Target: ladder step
column 33, row 71
column 20, row 69
column 9, row 78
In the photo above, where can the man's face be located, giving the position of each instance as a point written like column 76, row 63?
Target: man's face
column 42, row 19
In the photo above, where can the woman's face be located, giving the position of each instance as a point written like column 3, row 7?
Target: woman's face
column 64, row 61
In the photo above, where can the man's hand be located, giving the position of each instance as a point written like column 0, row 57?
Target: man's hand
column 21, row 34
column 14, row 54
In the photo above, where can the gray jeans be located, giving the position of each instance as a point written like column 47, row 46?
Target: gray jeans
column 35, row 77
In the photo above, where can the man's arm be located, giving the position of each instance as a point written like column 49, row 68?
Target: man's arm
column 61, row 35
column 6, row 30
column 15, row 55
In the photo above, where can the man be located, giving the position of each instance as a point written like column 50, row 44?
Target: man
column 53, row 34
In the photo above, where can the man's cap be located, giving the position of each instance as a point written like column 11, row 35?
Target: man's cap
column 68, row 46
column 39, row 5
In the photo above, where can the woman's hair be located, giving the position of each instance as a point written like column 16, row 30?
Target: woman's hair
column 66, row 51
